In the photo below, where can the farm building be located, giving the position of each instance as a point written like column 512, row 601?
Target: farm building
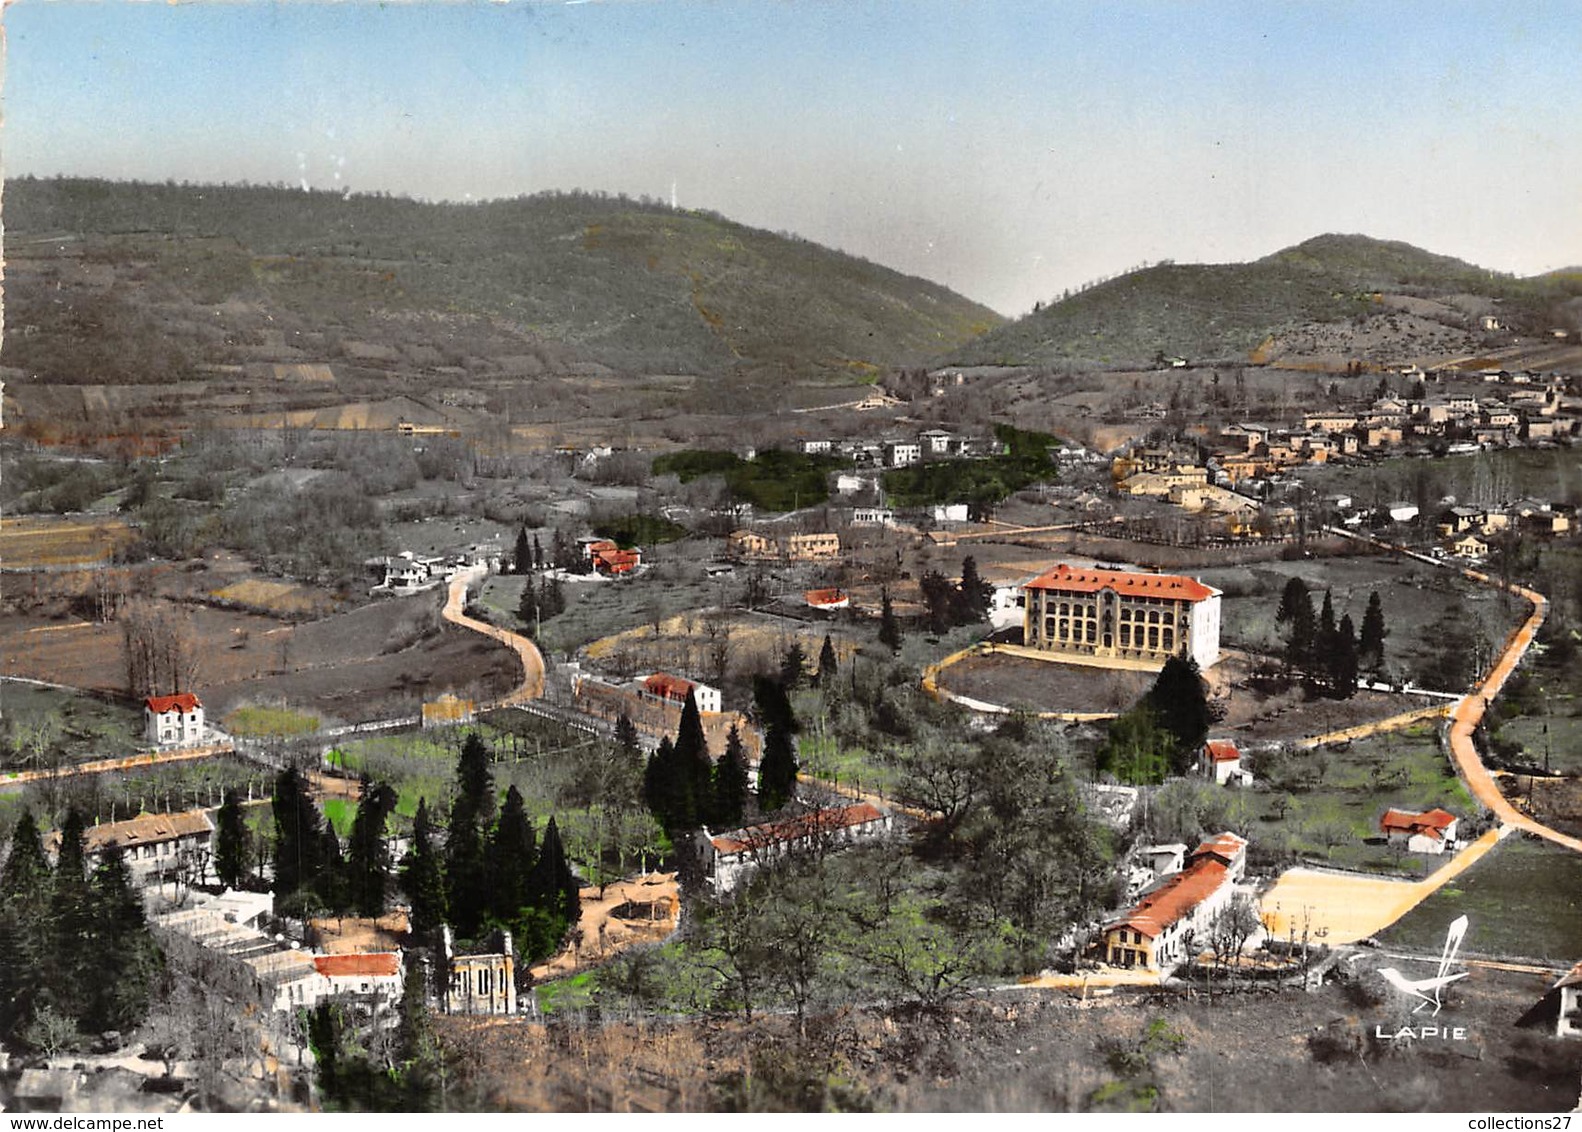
column 1430, row 832
column 1154, row 932
column 1120, row 619
column 153, row 845
column 173, row 720
column 730, row 858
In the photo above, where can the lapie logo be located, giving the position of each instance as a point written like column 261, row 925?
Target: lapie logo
column 1430, row 990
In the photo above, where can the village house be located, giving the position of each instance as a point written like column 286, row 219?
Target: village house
column 827, row 600
column 656, row 716
column 277, row 976
column 902, row 453
column 935, row 441
column 173, row 720
column 674, row 689
column 811, row 547
column 1470, row 545
column 731, row 858
column 1120, row 619
column 1159, row 931
column 153, row 846
column 373, row 981
column 1431, row 832
column 1221, row 760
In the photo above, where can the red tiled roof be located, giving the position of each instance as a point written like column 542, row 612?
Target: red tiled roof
column 668, row 687
column 181, row 701
column 617, row 561
column 803, row 825
column 825, row 597
column 1067, row 580
column 1432, row 823
column 1222, row 750
column 371, row 963
column 1173, row 899
column 1225, row 845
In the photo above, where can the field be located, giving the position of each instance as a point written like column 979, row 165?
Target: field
column 1523, row 899
column 33, row 543
column 75, row 727
column 376, row 661
column 286, row 599
column 1327, row 802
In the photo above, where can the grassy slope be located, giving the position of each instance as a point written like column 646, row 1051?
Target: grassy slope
column 1209, row 311
column 617, row 281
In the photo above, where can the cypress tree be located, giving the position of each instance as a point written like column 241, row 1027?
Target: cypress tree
column 730, row 784
column 368, row 853
column 466, row 880
column 1370, row 647
column 694, row 766
column 528, row 611
column 299, row 834
column 26, row 929
column 666, row 787
column 552, row 887
column 230, row 841
column 538, row 560
column 793, row 666
column 512, row 855
column 777, row 769
column 889, row 627
column 474, row 779
column 421, row 878
column 1343, row 666
column 974, row 595
column 1296, row 613
column 73, row 964
column 626, row 737
column 522, row 559
column 828, row 663
column 126, row 960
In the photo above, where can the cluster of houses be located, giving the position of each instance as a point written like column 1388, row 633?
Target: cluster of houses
column 654, row 703
column 903, row 452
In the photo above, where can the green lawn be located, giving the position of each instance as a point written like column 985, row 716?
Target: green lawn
column 70, row 726
column 1523, row 900
column 1339, row 795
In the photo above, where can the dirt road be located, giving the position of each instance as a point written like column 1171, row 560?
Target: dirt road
column 532, row 686
column 652, row 905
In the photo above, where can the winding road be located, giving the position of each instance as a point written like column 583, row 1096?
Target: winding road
column 532, row 686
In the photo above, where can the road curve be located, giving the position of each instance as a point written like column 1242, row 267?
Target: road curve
column 532, row 686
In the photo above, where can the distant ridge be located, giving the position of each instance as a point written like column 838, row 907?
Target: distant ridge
column 569, row 278
column 1208, row 312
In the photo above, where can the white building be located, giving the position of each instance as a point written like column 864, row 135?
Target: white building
column 1116, row 618
column 173, row 720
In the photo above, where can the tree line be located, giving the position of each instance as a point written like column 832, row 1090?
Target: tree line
column 76, row 955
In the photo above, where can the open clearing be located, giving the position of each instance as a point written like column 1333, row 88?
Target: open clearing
column 33, row 543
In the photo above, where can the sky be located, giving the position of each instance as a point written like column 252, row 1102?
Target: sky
column 1010, row 150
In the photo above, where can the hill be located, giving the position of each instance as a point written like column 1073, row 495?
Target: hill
column 1395, row 299
column 113, row 284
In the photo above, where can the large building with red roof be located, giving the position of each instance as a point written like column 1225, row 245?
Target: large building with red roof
column 1156, row 932
column 1122, row 619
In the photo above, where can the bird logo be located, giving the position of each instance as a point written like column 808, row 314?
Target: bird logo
column 1429, row 989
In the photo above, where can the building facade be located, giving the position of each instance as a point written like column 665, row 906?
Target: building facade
column 173, row 720
column 1121, row 618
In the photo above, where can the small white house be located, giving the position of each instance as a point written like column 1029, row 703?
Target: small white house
column 1220, row 760
column 173, row 720
column 1431, row 832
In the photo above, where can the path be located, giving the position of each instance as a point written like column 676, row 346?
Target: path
column 600, row 936
column 532, row 686
column 1336, row 907
column 21, row 779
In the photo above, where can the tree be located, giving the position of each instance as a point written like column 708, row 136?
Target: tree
column 299, row 834
column 889, row 627
column 730, row 784
column 474, row 780
column 552, row 886
column 666, row 788
column 694, row 766
column 793, row 666
column 1180, row 704
column 528, row 610
column 1296, row 614
column 777, row 767
column 973, row 594
column 125, row 958
column 828, row 663
column 939, row 599
column 421, row 878
column 26, row 929
column 1343, row 664
column 367, row 851
column 231, row 863
column 626, row 737
column 1370, row 647
column 1136, row 749
column 512, row 854
column 522, row 560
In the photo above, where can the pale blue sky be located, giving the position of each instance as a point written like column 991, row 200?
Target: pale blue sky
column 1008, row 149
